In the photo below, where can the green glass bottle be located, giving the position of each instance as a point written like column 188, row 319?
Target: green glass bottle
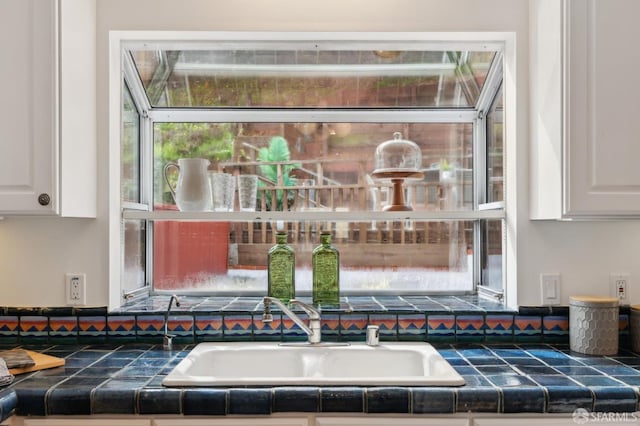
column 281, row 269
column 326, row 272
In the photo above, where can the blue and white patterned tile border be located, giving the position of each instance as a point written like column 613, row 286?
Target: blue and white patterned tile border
column 419, row 318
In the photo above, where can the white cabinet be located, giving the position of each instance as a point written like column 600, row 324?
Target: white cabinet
column 48, row 107
column 584, row 124
column 391, row 421
column 86, row 422
column 580, row 418
column 245, row 421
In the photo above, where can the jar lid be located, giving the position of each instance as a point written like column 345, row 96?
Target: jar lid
column 594, row 301
column 399, row 156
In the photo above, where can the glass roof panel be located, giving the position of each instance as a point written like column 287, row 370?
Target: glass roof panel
column 243, row 78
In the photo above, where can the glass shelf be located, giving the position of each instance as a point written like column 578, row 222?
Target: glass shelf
column 295, row 216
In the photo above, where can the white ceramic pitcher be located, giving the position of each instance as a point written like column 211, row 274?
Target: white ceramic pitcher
column 193, row 191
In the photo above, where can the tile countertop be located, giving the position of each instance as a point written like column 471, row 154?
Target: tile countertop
column 513, row 378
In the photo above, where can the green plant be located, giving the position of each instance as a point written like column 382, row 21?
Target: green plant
column 277, row 151
column 445, row 165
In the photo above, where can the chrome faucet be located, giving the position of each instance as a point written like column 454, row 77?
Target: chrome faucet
column 313, row 330
column 167, row 340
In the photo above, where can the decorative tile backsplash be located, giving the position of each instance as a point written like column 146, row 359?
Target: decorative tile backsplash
column 438, row 319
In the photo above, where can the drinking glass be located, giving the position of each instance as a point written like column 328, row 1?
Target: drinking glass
column 222, row 191
column 247, row 192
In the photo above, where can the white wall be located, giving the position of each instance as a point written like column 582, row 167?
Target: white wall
column 36, row 252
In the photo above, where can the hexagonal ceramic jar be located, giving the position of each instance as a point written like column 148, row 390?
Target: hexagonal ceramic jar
column 593, row 325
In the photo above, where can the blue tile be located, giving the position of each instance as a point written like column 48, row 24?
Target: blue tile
column 296, row 399
column 523, row 361
column 567, row 399
column 629, row 380
column 159, row 401
column 113, row 401
column 486, row 361
column 614, row 400
column 618, row 370
column 537, row 370
column 387, row 400
column 578, row 371
column 547, row 354
column 204, row 402
column 599, row 381
column 466, row 370
column 476, row 381
column 475, row 352
column 69, row 401
column 523, row 400
column 628, row 360
column 505, row 380
column 32, row 401
column 8, row 402
column 496, row 369
column 458, row 361
column 553, row 380
column 433, row 400
column 249, row 401
column 342, row 400
column 597, row 361
column 510, row 353
column 482, row 400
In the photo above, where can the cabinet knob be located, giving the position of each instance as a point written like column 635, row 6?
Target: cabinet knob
column 44, row 199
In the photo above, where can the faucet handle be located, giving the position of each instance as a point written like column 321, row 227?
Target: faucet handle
column 266, row 314
column 167, row 342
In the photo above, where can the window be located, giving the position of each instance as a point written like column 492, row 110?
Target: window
column 306, row 118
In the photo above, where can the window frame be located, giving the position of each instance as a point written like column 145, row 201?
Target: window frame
column 121, row 41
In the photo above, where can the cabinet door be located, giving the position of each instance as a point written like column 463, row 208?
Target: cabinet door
column 28, row 122
column 613, row 419
column 584, row 106
column 249, row 421
column 85, row 422
column 603, row 151
column 390, row 421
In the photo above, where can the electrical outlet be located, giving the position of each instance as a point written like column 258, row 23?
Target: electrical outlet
column 619, row 283
column 76, row 289
column 550, row 289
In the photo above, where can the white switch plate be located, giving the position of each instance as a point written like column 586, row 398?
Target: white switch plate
column 550, row 289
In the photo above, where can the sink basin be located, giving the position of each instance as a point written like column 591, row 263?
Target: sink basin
column 259, row 363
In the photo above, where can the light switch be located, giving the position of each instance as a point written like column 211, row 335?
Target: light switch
column 550, row 289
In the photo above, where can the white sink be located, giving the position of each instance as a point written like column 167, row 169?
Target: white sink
column 259, row 363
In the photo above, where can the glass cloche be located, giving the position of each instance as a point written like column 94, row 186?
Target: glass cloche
column 397, row 158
